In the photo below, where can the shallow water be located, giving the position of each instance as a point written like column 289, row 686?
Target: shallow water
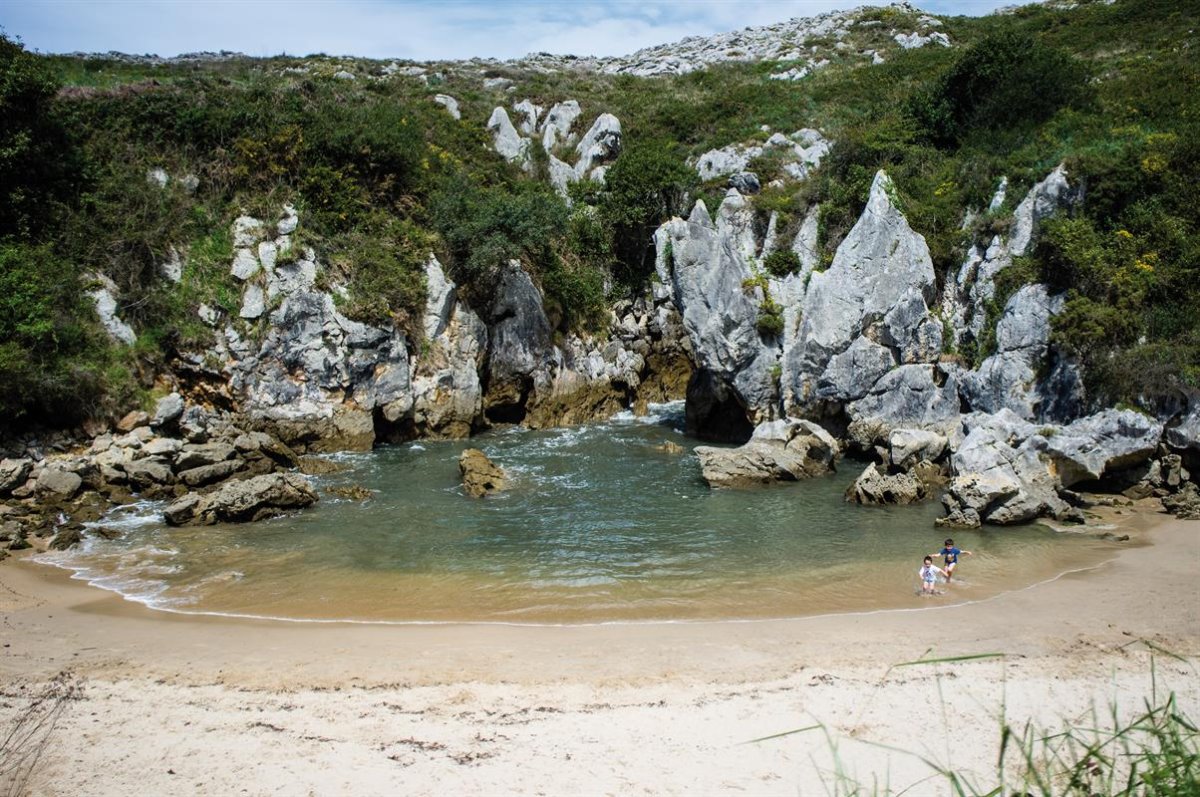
column 599, row 525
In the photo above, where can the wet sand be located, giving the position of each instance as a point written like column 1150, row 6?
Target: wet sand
column 205, row 705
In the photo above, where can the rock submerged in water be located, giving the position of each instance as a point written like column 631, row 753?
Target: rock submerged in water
column 878, row 487
column 243, row 501
column 785, row 450
column 480, row 476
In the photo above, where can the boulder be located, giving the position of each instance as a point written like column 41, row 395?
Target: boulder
column 601, row 144
column 65, row 538
column 167, row 411
column 556, row 125
column 449, row 103
column 210, row 474
column 1110, row 440
column 148, row 471
column 505, row 138
column 1001, row 474
column 132, row 420
column 13, row 473
column 909, row 446
column 243, row 501
column 1184, row 504
column 783, row 450
column 745, row 183
column 195, row 455
column 57, row 483
column 874, row 486
column 480, row 476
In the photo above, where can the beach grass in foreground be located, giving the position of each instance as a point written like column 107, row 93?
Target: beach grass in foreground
column 1155, row 752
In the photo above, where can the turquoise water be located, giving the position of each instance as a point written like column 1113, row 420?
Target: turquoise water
column 598, row 525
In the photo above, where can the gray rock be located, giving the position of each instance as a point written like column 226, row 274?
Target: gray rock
column 601, row 144
column 106, row 310
column 880, row 262
column 876, row 487
column 1185, row 434
column 505, row 138
column 706, row 275
column 911, row 396
column 245, row 264
column 784, row 450
column 247, row 231
column 148, row 471
column 1001, row 477
column 158, row 177
column 197, row 455
column 210, row 474
column 851, row 373
column 521, row 350
column 290, row 221
column 1110, row 440
column 556, row 125
column 57, row 483
column 449, row 103
column 254, row 303
column 447, row 393
column 242, row 501
column 1043, row 200
column 163, row 447
column 167, row 411
column 13, row 473
column 1008, row 378
column 910, row 446
column 528, row 113
column 745, row 182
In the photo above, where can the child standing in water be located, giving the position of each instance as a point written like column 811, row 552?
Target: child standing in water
column 929, row 573
column 950, row 556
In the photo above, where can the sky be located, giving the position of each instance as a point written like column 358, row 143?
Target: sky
column 404, row 29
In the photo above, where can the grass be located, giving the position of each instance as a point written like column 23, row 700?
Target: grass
column 1152, row 751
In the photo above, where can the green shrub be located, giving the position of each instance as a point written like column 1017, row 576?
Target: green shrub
column 781, row 262
column 648, row 184
column 1007, row 81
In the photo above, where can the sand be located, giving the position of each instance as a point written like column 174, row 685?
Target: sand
column 171, row 704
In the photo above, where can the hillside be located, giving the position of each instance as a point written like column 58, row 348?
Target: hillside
column 124, row 176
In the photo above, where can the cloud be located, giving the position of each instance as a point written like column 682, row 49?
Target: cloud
column 417, row 29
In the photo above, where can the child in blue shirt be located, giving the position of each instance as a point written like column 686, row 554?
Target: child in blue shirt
column 950, row 556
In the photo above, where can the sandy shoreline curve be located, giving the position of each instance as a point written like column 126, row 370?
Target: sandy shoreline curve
column 301, row 708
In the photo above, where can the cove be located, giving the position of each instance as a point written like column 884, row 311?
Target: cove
column 600, row 525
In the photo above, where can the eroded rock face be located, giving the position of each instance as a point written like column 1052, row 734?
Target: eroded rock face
column 1001, row 477
column 706, row 276
column 243, row 501
column 882, row 267
column 876, row 486
column 1088, row 448
column 480, row 476
column 447, row 393
column 1008, row 378
column 521, row 351
column 783, row 450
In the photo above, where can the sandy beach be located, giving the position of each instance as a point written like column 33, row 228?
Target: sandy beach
column 159, row 703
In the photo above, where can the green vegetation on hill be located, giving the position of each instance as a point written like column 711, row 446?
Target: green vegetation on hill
column 381, row 175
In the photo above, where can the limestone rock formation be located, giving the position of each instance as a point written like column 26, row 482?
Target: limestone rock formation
column 243, row 501
column 875, row 486
column 447, row 393
column 783, row 450
column 480, row 476
column 881, row 262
